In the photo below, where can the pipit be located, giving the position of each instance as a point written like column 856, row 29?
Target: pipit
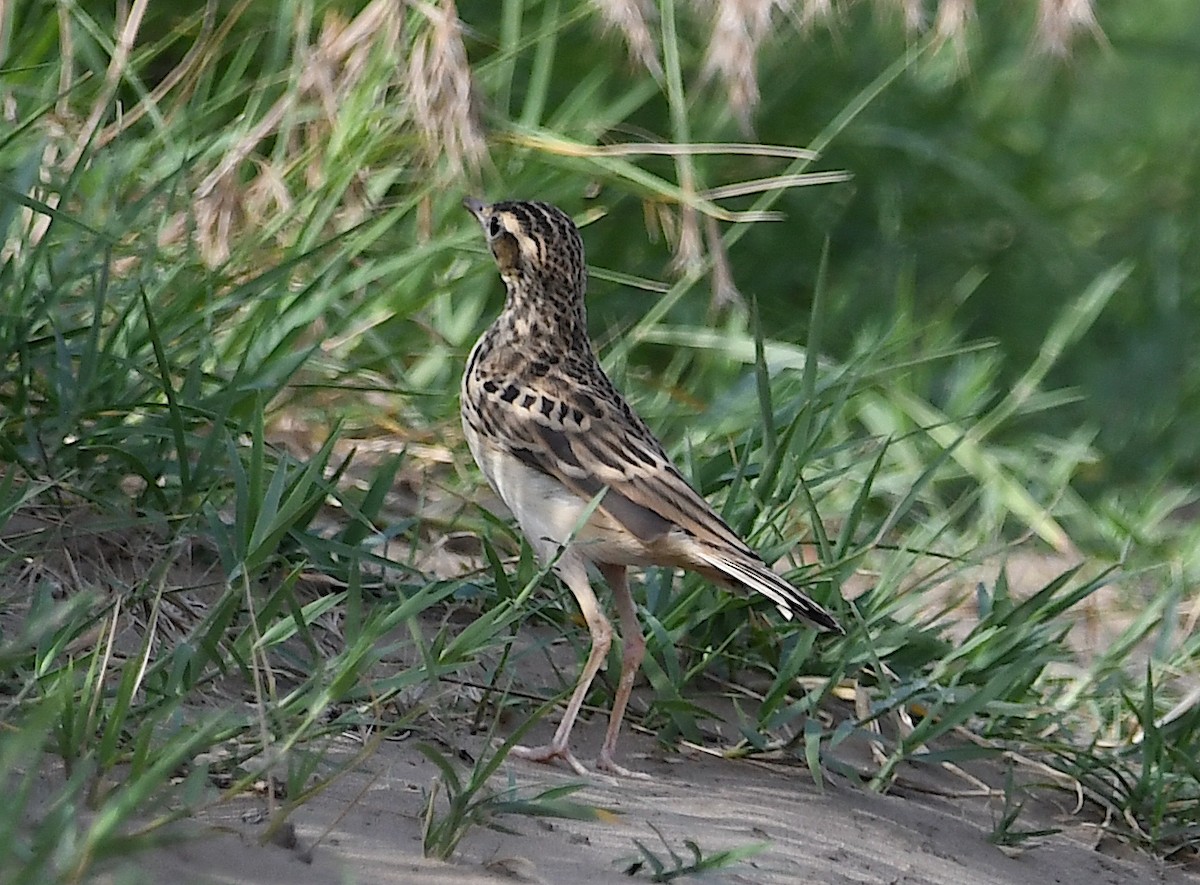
column 553, row 435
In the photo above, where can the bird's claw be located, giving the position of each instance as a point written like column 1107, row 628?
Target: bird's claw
column 606, row 764
column 548, row 753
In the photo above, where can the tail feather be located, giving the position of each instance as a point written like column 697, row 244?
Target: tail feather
column 756, row 576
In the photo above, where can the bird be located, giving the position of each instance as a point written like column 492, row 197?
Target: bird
column 585, row 478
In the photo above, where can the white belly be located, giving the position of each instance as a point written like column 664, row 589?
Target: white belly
column 549, row 514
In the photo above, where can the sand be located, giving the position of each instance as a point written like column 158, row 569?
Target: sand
column 367, row 829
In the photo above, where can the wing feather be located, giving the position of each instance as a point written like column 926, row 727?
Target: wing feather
column 597, row 443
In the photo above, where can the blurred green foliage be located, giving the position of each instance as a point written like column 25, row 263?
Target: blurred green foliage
column 250, row 229
column 990, row 185
column 989, row 189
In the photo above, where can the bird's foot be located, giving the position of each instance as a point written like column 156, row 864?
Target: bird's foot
column 606, row 763
column 547, row 753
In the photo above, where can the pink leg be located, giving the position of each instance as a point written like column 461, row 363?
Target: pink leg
column 631, row 660
column 574, row 575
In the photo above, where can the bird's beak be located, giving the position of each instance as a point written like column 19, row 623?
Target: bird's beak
column 475, row 207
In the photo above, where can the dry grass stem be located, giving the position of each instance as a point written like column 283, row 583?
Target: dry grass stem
column 813, row 11
column 555, row 144
column 631, row 19
column 438, row 89
column 950, row 25
column 688, row 245
column 1059, row 20
column 182, row 76
column 739, row 28
column 629, row 149
column 725, row 292
column 912, row 13
column 37, row 224
column 327, row 72
column 112, row 79
column 776, row 182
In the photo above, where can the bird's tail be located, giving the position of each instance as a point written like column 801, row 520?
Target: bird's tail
column 756, row 576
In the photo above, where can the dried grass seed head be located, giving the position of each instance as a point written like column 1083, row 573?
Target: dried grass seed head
column 438, row 88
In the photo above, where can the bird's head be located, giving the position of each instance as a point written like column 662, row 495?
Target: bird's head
column 532, row 242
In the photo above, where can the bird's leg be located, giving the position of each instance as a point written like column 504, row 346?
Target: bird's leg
column 574, row 575
column 631, row 659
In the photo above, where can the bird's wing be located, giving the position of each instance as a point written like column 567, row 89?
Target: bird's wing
column 591, row 441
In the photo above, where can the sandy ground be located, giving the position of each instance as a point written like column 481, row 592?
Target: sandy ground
column 932, row 827
column 367, row 829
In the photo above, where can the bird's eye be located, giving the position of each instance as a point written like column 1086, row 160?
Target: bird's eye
column 494, row 227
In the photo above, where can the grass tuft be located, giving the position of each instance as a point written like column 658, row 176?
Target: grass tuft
column 237, row 525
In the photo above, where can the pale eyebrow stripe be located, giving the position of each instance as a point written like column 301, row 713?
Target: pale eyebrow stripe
column 514, row 226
